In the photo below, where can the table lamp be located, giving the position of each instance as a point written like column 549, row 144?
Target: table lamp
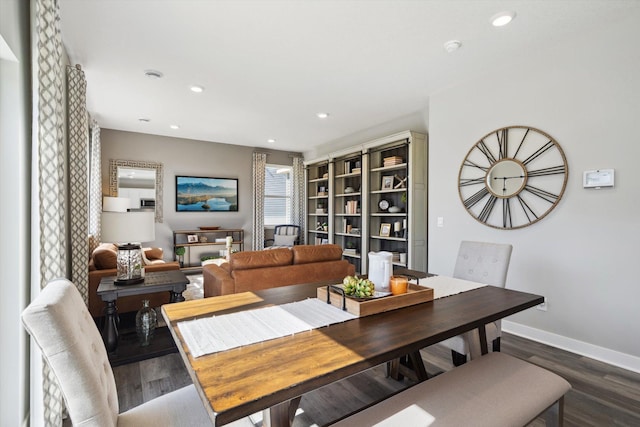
column 127, row 230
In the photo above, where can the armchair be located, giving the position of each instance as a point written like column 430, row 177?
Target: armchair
column 284, row 236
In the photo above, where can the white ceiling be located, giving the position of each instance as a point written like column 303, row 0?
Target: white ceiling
column 269, row 66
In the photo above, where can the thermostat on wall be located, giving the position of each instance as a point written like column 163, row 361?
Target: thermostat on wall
column 598, row 178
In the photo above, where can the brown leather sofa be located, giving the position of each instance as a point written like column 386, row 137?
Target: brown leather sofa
column 255, row 270
column 103, row 263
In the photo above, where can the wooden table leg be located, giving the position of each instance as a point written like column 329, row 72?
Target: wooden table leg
column 482, row 331
column 281, row 415
column 110, row 329
column 176, row 296
column 410, row 366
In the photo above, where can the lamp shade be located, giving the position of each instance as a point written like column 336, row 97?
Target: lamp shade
column 115, row 204
column 128, row 227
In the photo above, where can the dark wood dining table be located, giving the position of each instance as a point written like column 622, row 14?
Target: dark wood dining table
column 275, row 374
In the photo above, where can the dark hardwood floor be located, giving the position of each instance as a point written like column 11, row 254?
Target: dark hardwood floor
column 602, row 395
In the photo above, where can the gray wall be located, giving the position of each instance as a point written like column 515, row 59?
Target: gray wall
column 582, row 257
column 189, row 157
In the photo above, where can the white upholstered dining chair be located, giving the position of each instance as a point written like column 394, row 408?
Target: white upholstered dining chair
column 60, row 324
column 480, row 262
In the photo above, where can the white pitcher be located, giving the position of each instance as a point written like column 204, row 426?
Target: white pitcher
column 380, row 269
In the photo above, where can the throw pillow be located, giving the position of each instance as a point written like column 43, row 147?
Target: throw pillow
column 152, row 256
column 105, row 256
column 153, row 253
column 284, row 240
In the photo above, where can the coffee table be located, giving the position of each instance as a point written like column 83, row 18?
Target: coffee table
column 173, row 281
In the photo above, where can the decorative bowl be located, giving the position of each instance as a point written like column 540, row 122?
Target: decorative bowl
column 349, row 190
column 394, row 209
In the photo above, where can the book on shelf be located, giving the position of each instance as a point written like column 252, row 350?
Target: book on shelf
column 356, row 170
column 351, row 207
column 349, row 251
column 392, row 161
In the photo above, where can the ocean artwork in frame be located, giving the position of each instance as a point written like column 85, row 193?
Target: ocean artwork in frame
column 204, row 194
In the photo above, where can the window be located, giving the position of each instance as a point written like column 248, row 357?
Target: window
column 277, row 195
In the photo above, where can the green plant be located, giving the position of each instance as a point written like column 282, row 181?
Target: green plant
column 180, row 250
column 208, row 257
column 403, row 198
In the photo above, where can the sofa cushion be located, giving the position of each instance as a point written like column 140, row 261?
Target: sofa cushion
column 261, row 259
column 254, row 280
column 306, row 254
column 105, row 256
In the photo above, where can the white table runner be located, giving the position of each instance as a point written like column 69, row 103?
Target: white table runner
column 218, row 333
column 227, row 331
column 444, row 286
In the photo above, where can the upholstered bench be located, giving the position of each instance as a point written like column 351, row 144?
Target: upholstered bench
column 493, row 390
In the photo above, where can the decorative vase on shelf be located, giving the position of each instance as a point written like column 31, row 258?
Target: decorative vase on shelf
column 146, row 322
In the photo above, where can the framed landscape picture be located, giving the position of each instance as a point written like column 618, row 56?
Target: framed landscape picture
column 204, row 194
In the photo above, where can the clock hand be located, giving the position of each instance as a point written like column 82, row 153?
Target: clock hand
column 508, row 177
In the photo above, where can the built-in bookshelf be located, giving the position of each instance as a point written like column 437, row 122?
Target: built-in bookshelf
column 317, row 203
column 376, row 200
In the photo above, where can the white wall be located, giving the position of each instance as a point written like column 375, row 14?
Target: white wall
column 582, row 257
column 14, row 213
column 194, row 158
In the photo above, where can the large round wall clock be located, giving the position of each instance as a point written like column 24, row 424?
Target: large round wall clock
column 512, row 177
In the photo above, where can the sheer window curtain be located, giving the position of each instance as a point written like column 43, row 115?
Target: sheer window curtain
column 78, row 140
column 259, row 166
column 298, row 196
column 95, row 187
column 61, row 153
column 49, row 181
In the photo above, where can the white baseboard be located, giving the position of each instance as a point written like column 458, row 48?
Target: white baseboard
column 612, row 357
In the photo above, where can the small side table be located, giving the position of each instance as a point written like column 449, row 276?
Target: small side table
column 173, row 281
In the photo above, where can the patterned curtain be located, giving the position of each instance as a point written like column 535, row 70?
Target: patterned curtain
column 95, row 187
column 259, row 166
column 78, row 135
column 49, row 147
column 298, row 196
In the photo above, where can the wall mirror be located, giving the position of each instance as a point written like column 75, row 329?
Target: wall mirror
column 139, row 181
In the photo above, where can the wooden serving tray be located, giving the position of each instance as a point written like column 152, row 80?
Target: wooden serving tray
column 415, row 295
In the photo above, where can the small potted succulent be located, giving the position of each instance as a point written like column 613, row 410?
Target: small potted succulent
column 180, row 250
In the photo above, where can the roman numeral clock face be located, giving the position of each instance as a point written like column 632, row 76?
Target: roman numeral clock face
column 512, row 177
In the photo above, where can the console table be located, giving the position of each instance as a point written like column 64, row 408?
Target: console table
column 205, row 241
column 173, row 281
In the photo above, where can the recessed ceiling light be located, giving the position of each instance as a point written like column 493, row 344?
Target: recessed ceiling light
column 452, row 45
column 175, row 127
column 153, row 74
column 271, row 140
column 197, row 89
column 503, row 18
column 144, row 120
column 322, row 115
